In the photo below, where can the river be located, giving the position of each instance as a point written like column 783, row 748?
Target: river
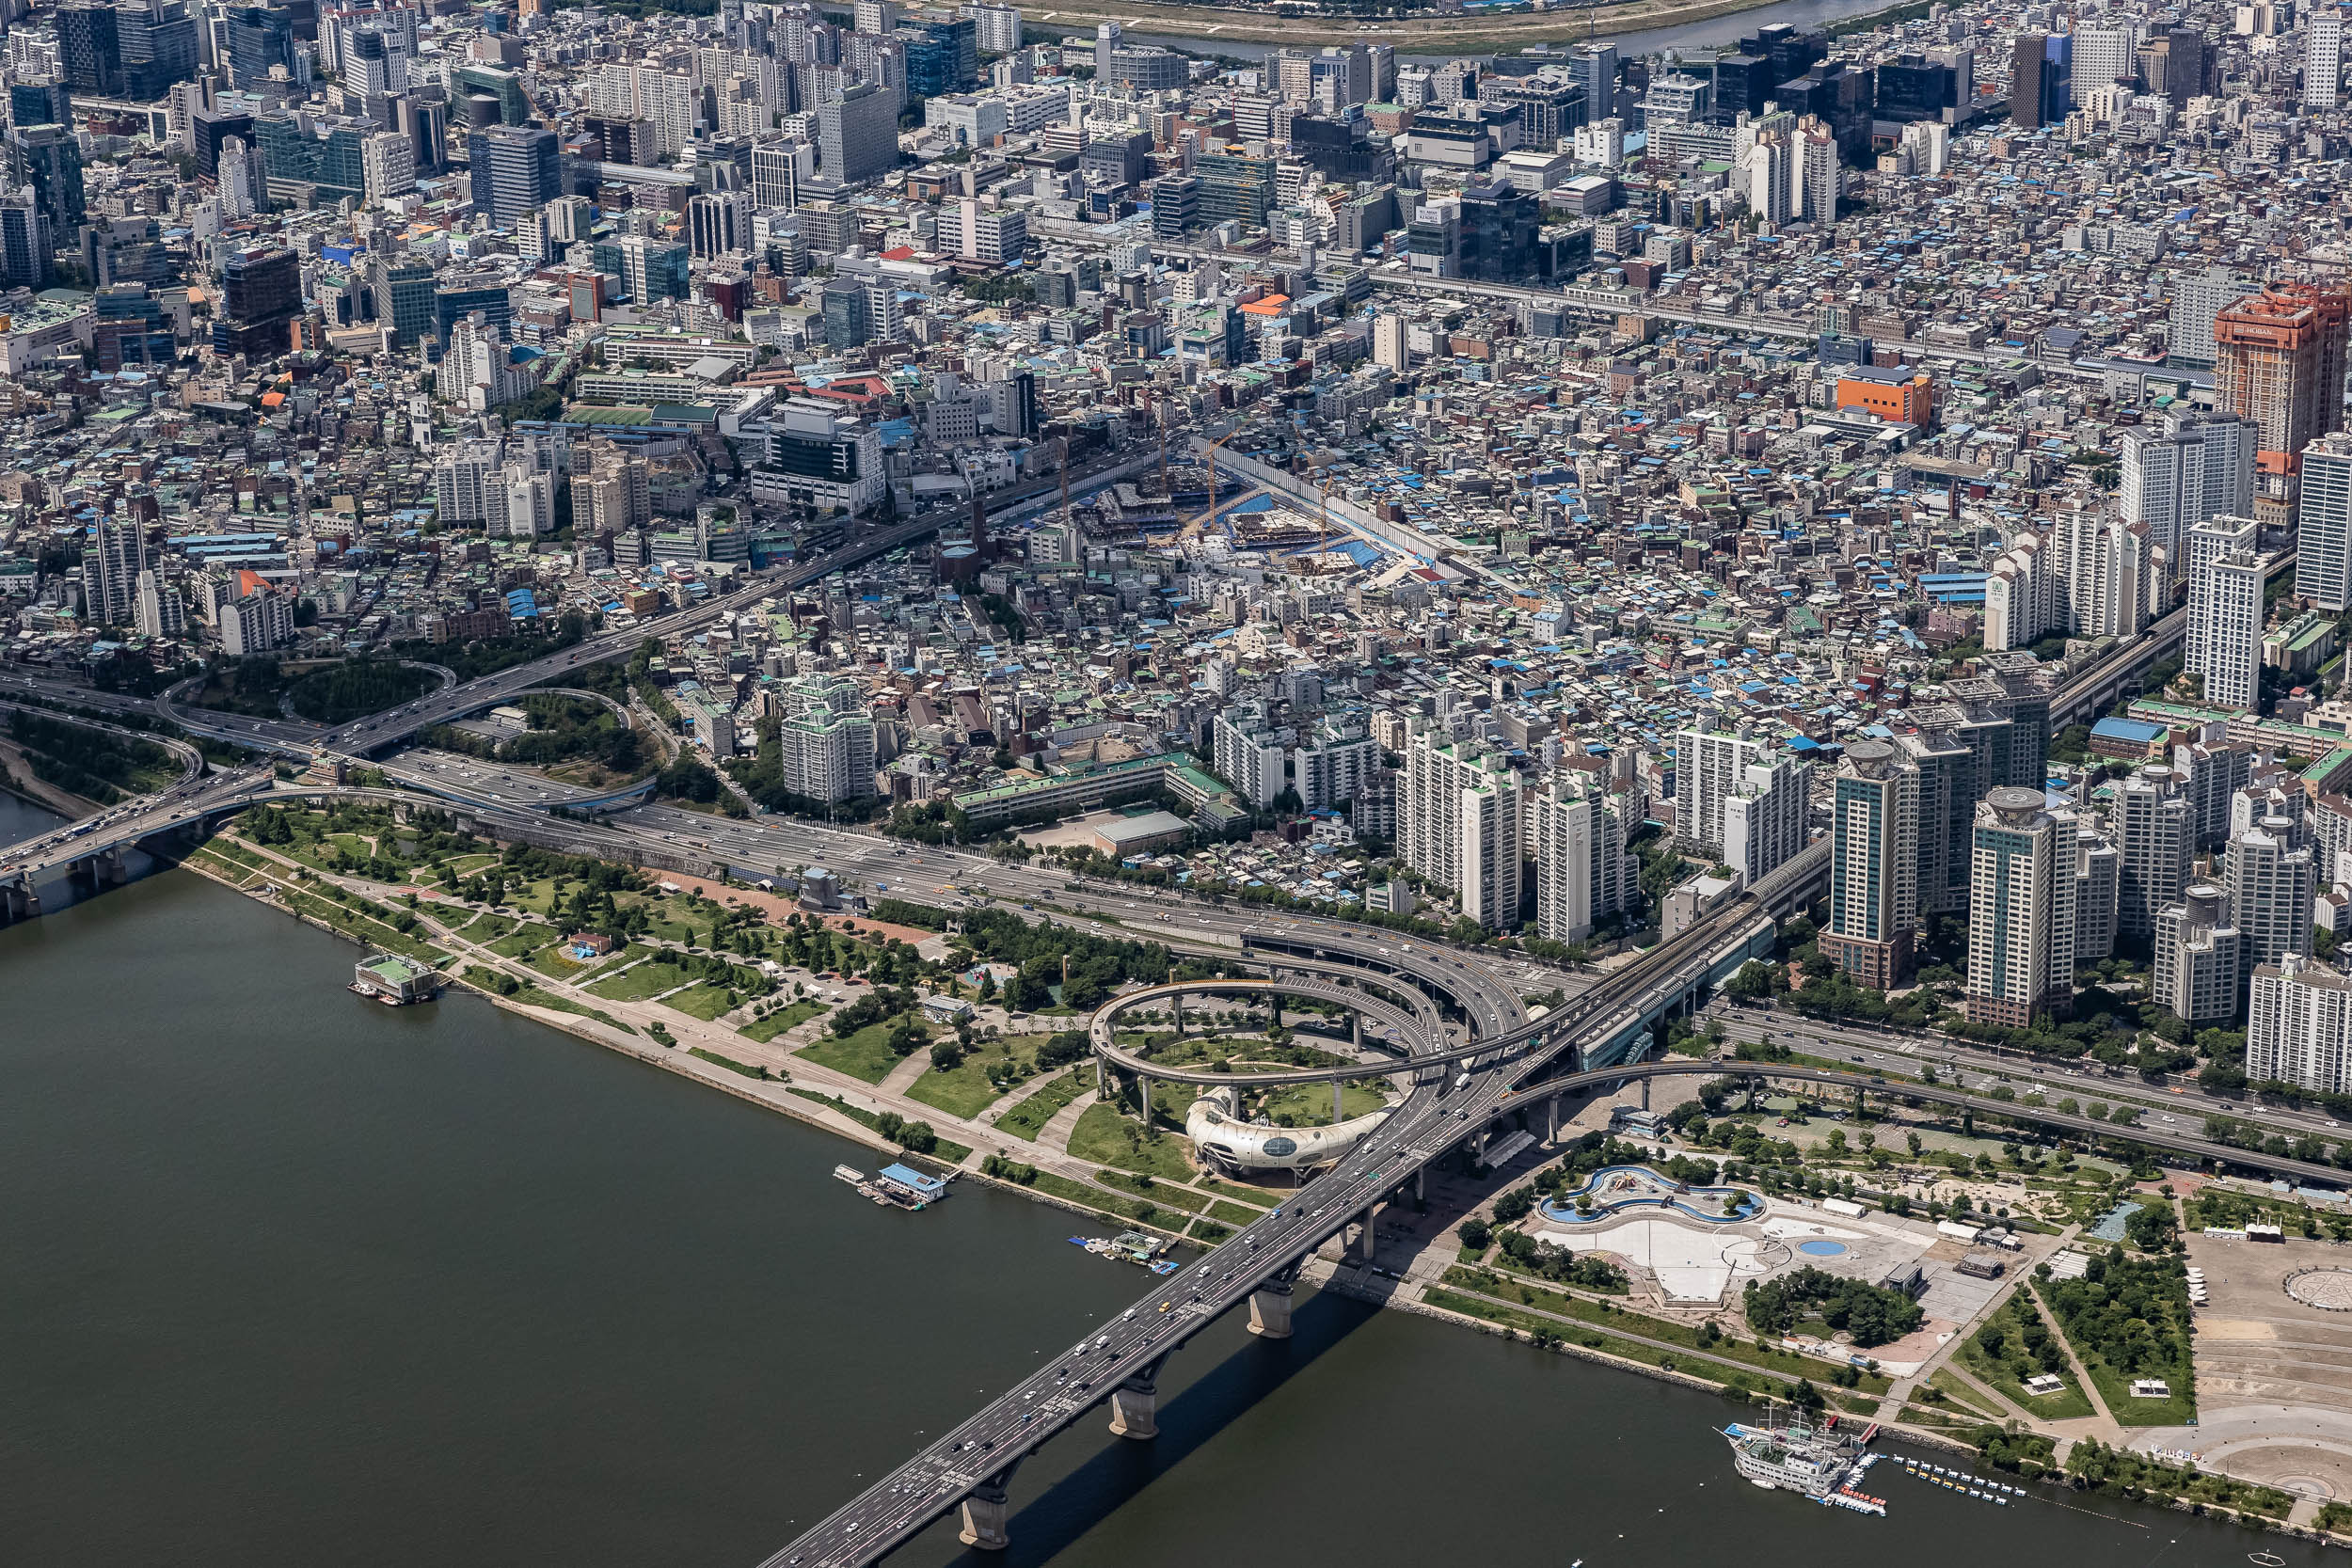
column 289, row 1278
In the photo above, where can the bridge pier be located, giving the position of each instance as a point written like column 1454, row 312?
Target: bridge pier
column 19, row 899
column 983, row 1515
column 1366, row 1248
column 1177, row 1004
column 1335, row 1101
column 1476, row 1150
column 1644, row 1094
column 1103, row 1089
column 1551, row 1119
column 1135, row 1407
column 1270, row 1308
column 1421, row 1185
column 1356, row 1030
column 109, row 868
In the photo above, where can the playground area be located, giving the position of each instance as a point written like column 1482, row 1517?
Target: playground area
column 1614, row 1189
column 1701, row 1245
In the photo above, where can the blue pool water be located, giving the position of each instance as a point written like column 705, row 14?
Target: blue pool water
column 1823, row 1249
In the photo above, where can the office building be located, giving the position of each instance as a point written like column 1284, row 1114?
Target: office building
column 516, row 170
column 718, row 223
column 157, row 42
column 2013, row 911
column 27, row 252
column 649, row 269
column 40, row 103
column 89, row 46
column 820, row 459
column 51, row 158
column 1458, row 822
column 2041, row 81
column 261, row 296
column 857, row 134
column 2323, row 57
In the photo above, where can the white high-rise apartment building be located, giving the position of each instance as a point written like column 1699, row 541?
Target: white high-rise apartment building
column 1249, row 753
column 2104, row 563
column 1770, row 179
column 825, row 741
column 1576, row 836
column 2200, row 957
column 2298, row 1027
column 2024, row 601
column 161, row 611
column 2323, row 528
column 111, row 564
column 1764, row 818
column 1820, row 178
column 2198, row 297
column 2179, row 476
column 2156, row 834
column 1709, row 767
column 995, row 29
column 2323, row 57
column 2273, row 874
column 1458, row 823
column 2225, row 610
column 2013, row 910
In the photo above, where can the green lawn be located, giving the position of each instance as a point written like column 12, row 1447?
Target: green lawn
column 1234, row 1215
column 525, row 939
column 947, row 1152
column 1095, row 1198
column 784, row 1020
column 966, row 1091
column 2067, row 1404
column 648, row 979
column 486, row 927
column 553, row 962
column 727, row 1062
column 1101, row 1136
column 1258, row 1196
column 705, row 1001
column 1730, row 1349
column 1029, row 1119
column 1960, row 1396
column 865, row 1055
column 1310, row 1105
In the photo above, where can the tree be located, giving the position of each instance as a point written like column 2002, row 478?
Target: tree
column 947, row 1054
column 1474, row 1233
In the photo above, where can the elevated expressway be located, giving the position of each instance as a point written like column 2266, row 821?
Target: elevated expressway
column 1118, row 1362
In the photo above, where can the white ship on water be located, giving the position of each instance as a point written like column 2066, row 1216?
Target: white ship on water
column 1821, row 1462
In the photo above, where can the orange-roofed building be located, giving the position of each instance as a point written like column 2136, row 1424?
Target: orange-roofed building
column 1268, row 306
column 1901, row 394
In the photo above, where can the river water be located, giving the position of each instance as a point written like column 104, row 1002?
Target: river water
column 288, row 1278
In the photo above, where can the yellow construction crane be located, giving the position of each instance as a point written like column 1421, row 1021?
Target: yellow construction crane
column 1193, row 529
